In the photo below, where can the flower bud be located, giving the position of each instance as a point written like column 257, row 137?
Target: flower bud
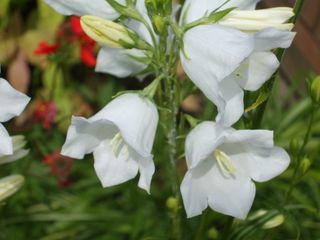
column 256, row 20
column 315, row 90
column 294, row 146
column 213, row 233
column 172, row 204
column 159, row 23
column 9, row 185
column 107, row 32
column 274, row 222
column 305, row 165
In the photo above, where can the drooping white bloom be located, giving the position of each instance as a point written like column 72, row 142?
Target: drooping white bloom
column 233, row 55
column 120, row 137
column 12, row 104
column 222, row 162
column 117, row 62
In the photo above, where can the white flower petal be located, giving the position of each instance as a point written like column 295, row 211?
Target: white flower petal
column 85, row 135
column 253, row 151
column 271, row 38
column 262, row 167
column 255, row 70
column 6, row 147
column 205, row 185
column 252, row 137
column 194, row 197
column 202, row 141
column 139, row 27
column 146, row 169
column 12, row 102
column 117, row 62
column 232, row 107
column 200, row 8
column 98, row 8
column 137, row 119
column 112, row 170
column 214, row 52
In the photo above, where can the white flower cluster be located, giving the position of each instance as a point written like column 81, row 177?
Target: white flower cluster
column 223, row 59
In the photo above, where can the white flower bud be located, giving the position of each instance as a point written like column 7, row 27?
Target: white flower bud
column 9, row 185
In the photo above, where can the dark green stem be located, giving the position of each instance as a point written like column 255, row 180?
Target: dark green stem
column 300, row 155
column 172, row 145
column 227, row 229
column 201, row 226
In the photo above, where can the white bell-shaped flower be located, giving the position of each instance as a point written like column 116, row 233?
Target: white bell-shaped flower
column 234, row 54
column 222, row 165
column 12, row 104
column 120, row 137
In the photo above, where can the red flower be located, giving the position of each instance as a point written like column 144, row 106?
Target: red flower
column 60, row 167
column 75, row 25
column 72, row 32
column 87, row 56
column 44, row 48
column 87, row 45
column 46, row 112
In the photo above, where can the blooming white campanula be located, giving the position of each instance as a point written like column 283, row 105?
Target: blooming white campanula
column 233, row 54
column 222, row 165
column 120, row 137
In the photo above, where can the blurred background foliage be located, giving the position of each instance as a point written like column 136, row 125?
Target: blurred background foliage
column 47, row 56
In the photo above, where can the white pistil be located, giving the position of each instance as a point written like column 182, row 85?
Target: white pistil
column 256, row 20
column 224, row 162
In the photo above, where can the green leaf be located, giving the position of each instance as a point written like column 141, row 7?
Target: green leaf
column 263, row 96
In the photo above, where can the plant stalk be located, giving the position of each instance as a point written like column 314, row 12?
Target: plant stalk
column 300, row 155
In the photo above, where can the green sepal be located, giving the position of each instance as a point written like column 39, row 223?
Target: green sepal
column 152, row 88
column 128, row 11
column 214, row 17
column 262, row 97
column 191, row 120
column 126, row 91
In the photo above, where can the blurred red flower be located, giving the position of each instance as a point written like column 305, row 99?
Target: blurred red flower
column 46, row 112
column 87, row 45
column 44, row 48
column 60, row 167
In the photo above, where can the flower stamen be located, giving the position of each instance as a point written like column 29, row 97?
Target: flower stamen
column 224, row 162
column 118, row 144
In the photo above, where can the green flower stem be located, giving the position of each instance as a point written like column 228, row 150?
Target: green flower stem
column 201, row 225
column 172, row 145
column 299, row 156
column 257, row 119
column 165, row 68
column 227, row 229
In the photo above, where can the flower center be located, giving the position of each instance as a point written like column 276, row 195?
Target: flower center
column 117, row 144
column 224, row 162
column 256, row 20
